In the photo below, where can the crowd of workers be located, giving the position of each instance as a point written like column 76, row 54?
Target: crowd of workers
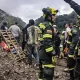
column 13, row 28
column 48, row 43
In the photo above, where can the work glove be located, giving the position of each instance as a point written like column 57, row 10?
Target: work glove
column 67, row 1
column 54, row 60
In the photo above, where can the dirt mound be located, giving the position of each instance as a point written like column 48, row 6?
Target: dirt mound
column 11, row 69
column 59, row 70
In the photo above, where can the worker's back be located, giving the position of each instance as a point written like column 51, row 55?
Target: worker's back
column 32, row 35
column 15, row 30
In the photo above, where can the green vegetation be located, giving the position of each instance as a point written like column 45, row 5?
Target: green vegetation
column 10, row 19
column 66, row 18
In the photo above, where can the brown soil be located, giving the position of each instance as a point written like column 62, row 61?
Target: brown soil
column 11, row 69
column 59, row 70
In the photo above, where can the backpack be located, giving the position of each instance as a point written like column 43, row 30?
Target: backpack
column 32, row 32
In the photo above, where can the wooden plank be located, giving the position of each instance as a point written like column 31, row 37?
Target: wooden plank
column 13, row 40
column 12, row 44
column 6, row 38
column 3, row 30
column 8, row 41
column 11, row 47
column 9, row 32
column 5, row 35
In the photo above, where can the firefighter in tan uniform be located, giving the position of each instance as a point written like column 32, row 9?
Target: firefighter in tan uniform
column 46, row 51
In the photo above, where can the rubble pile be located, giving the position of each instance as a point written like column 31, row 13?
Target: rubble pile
column 59, row 70
column 11, row 69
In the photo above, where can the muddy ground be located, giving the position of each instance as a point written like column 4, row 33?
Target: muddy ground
column 10, row 69
column 59, row 70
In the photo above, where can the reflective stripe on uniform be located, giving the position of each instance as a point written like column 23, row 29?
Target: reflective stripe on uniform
column 40, row 79
column 74, row 31
column 42, row 26
column 76, row 47
column 44, row 15
column 71, row 56
column 71, row 69
column 39, row 35
column 47, row 36
column 68, row 42
column 61, row 49
column 40, row 39
column 39, row 31
column 54, row 59
column 48, row 65
column 50, row 24
column 49, row 49
column 70, row 34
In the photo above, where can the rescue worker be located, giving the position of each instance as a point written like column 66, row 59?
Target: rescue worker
column 76, row 7
column 4, row 26
column 72, row 44
column 71, row 25
column 63, row 39
column 57, row 44
column 24, row 31
column 67, row 33
column 77, row 67
column 46, row 51
column 16, row 31
column 32, row 43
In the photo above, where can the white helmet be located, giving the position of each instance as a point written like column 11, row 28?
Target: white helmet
column 54, row 26
column 61, row 45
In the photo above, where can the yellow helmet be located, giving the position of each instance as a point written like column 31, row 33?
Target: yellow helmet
column 49, row 11
column 53, row 11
